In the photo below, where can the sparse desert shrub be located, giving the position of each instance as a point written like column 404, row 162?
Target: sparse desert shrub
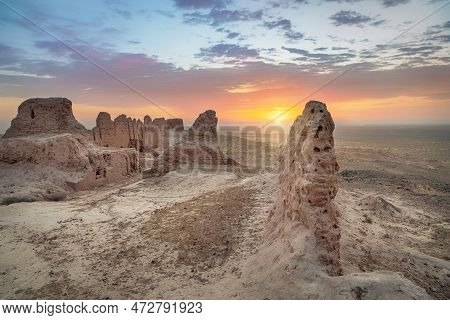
column 17, row 199
column 57, row 196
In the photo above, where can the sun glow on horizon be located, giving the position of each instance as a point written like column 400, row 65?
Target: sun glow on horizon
column 275, row 110
column 279, row 115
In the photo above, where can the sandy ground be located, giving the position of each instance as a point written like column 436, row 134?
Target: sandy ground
column 397, row 204
column 196, row 235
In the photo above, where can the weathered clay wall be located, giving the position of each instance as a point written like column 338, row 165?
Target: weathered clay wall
column 308, row 183
column 125, row 132
column 45, row 115
column 46, row 137
column 54, row 115
column 75, row 162
column 108, row 166
column 175, row 124
column 197, row 147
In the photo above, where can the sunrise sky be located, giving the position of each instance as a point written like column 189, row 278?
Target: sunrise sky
column 249, row 60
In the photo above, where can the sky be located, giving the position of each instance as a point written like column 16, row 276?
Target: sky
column 254, row 62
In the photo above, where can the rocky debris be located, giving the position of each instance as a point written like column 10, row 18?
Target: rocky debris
column 308, row 184
column 379, row 206
column 378, row 285
column 305, row 281
column 199, row 147
column 45, row 115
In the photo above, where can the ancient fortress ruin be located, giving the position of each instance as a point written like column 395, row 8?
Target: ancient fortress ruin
column 46, row 137
column 125, row 132
column 308, row 183
column 38, row 116
column 198, row 146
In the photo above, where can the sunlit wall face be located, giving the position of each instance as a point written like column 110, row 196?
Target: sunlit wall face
column 254, row 62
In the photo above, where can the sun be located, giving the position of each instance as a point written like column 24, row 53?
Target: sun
column 278, row 115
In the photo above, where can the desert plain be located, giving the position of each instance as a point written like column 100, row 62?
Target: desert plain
column 207, row 232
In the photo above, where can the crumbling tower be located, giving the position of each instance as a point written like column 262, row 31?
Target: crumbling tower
column 308, row 183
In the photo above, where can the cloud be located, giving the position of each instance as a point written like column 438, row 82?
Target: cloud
column 321, row 56
column 110, row 30
column 9, row 55
column 15, row 73
column 353, row 18
column 198, row 87
column 286, row 25
column 223, row 50
column 349, row 18
column 200, row 4
column 442, row 38
column 44, row 14
column 424, row 51
column 229, row 34
column 436, row 32
column 217, row 17
column 164, row 13
column 293, row 35
column 123, row 13
column 232, row 35
column 385, row 3
column 120, row 8
column 53, row 47
column 319, row 62
column 249, row 87
column 438, row 28
column 393, row 3
column 412, row 54
column 341, row 1
column 58, row 49
column 69, row 77
column 378, row 22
